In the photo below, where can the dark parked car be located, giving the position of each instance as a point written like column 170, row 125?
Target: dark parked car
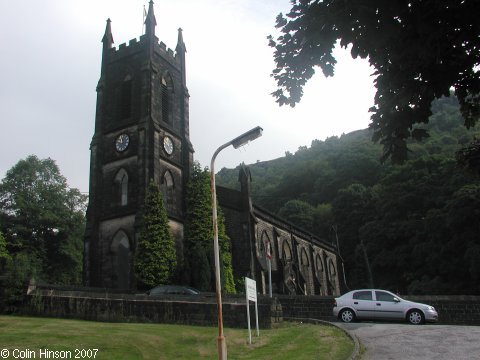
column 373, row 304
column 173, row 290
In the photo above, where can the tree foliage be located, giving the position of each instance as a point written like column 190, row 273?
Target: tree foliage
column 198, row 237
column 155, row 256
column 198, row 232
column 4, row 255
column 469, row 157
column 42, row 220
column 298, row 212
column 419, row 50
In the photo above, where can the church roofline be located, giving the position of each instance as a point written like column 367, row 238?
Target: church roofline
column 231, row 198
column 291, row 228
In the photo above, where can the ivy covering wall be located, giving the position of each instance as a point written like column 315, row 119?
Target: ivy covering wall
column 198, row 237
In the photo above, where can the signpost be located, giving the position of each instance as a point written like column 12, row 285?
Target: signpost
column 251, row 294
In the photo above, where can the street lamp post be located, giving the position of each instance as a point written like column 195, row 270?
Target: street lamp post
column 236, row 143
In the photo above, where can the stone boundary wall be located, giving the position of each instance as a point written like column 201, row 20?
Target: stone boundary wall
column 455, row 310
column 307, row 307
column 115, row 307
column 105, row 305
column 452, row 310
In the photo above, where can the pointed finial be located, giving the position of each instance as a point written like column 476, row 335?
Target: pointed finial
column 180, row 44
column 107, row 39
column 150, row 21
column 180, row 52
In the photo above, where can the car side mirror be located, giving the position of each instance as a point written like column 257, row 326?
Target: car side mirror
column 397, row 300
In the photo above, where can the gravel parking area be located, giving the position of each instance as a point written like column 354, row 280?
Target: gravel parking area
column 398, row 341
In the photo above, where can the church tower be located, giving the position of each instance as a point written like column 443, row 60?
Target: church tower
column 141, row 134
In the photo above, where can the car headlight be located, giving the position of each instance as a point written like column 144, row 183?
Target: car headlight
column 430, row 308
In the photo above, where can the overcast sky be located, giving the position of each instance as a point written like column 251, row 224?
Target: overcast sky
column 50, row 64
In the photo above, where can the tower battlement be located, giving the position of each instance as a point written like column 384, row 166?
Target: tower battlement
column 136, row 45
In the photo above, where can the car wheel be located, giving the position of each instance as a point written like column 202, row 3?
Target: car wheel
column 415, row 317
column 347, row 315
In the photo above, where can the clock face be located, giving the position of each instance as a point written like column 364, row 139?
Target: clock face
column 168, row 145
column 121, row 142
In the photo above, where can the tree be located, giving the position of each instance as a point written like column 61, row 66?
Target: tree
column 420, row 49
column 155, row 257
column 4, row 255
column 198, row 232
column 323, row 220
column 198, row 236
column 425, row 220
column 352, row 207
column 469, row 157
column 462, row 218
column 42, row 220
column 228, row 281
column 298, row 212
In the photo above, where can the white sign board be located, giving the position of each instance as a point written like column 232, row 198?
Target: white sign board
column 251, row 289
column 251, row 293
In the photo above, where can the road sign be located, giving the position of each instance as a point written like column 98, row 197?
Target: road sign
column 251, row 294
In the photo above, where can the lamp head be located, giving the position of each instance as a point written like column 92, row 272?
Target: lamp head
column 248, row 136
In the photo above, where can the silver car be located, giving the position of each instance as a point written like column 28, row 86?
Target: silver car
column 373, row 304
column 173, row 290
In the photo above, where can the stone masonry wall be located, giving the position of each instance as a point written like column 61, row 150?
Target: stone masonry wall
column 307, row 307
column 104, row 305
column 454, row 310
column 458, row 310
column 111, row 307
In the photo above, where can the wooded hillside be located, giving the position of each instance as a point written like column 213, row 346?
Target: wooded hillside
column 412, row 228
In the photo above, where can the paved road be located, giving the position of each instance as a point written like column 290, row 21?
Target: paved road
column 398, row 341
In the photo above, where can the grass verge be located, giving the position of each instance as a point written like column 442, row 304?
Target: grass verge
column 28, row 338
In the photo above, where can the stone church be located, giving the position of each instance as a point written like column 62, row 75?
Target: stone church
column 142, row 133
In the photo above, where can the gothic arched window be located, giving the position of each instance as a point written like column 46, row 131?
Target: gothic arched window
column 332, row 277
column 304, row 258
column 287, row 252
column 320, row 274
column 168, row 186
column 121, row 255
column 126, row 98
column 265, row 245
column 318, row 265
column 121, row 185
column 166, row 103
column 332, row 270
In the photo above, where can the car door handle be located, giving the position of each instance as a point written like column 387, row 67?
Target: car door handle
column 378, row 304
column 355, row 302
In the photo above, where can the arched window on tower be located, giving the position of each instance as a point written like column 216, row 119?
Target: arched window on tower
column 168, row 187
column 121, row 260
column 121, row 186
column 126, row 98
column 165, row 101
